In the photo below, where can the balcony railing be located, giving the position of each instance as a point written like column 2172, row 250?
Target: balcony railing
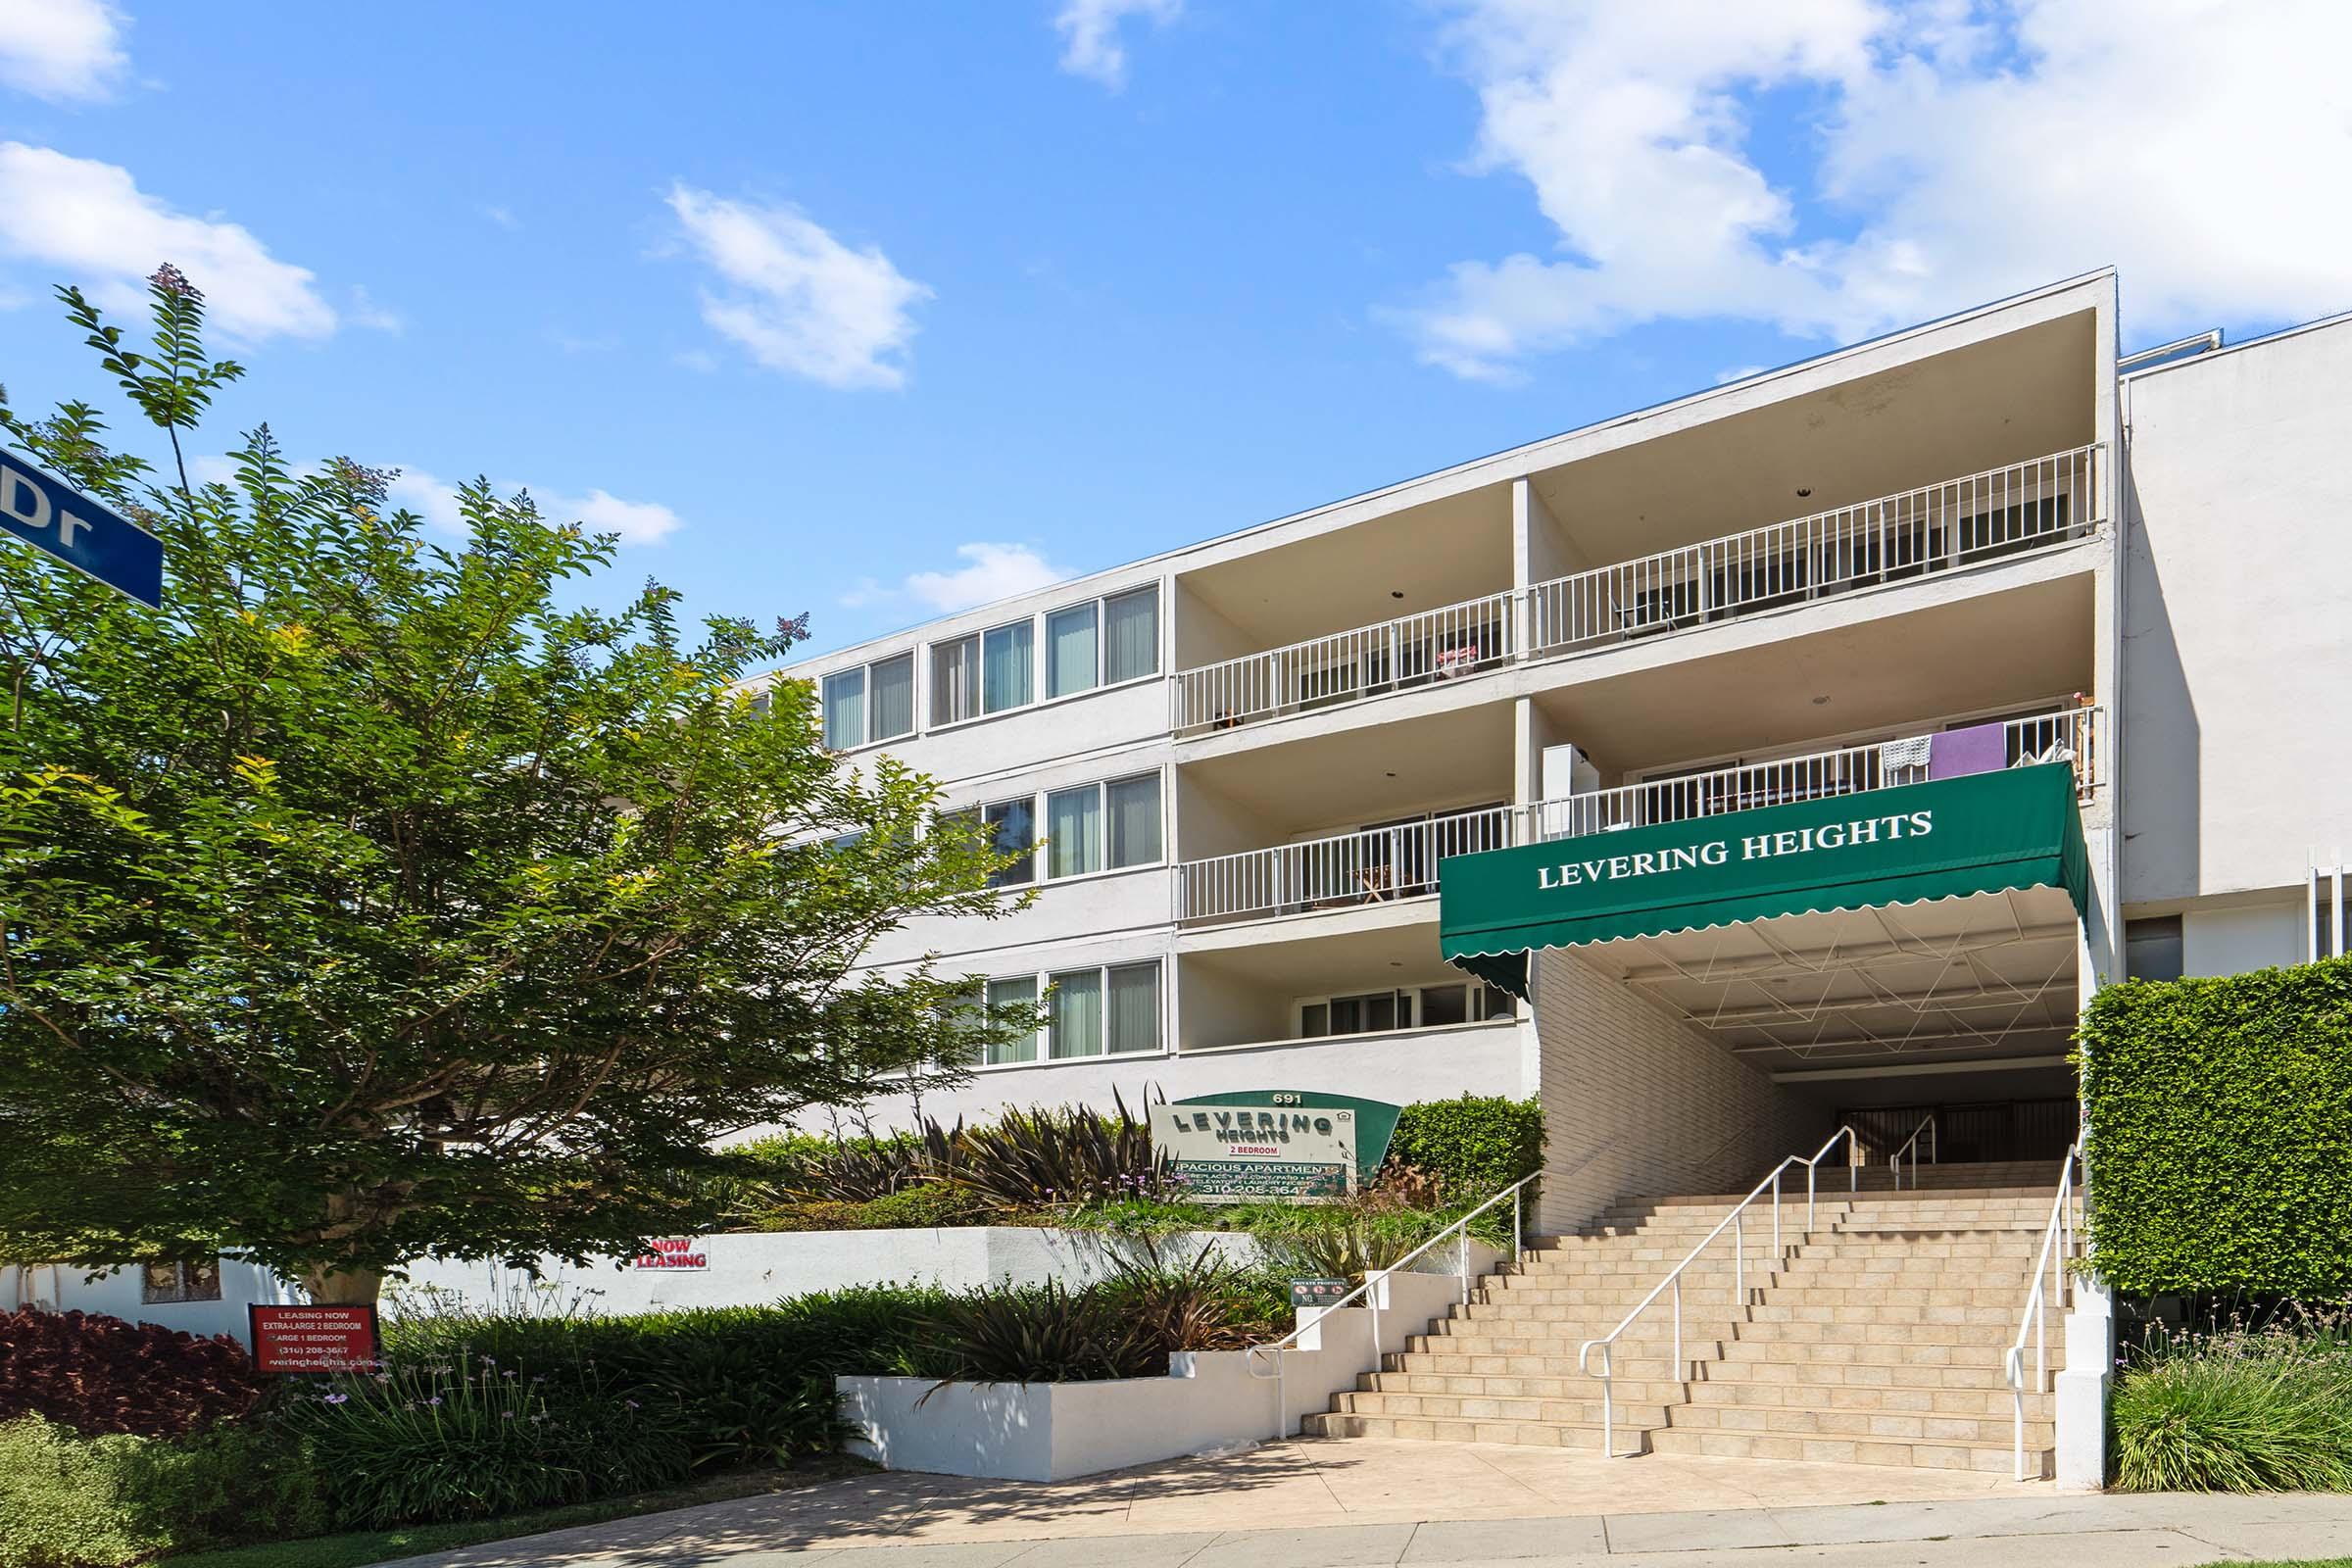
column 1347, row 667
column 1346, row 870
column 2071, row 735
column 1381, row 864
column 2000, row 512
column 1959, row 522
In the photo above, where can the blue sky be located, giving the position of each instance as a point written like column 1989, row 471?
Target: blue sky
column 873, row 309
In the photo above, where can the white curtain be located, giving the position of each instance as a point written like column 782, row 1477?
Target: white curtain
column 1131, row 636
column 1005, row 993
column 1069, row 651
column 1007, row 658
column 1135, row 820
column 1074, row 832
column 845, row 709
column 1077, row 1007
column 1135, row 1007
column 889, row 699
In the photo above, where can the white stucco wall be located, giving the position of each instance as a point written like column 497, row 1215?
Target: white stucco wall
column 1210, row 1399
column 2231, row 940
column 1402, row 1067
column 2237, row 640
column 63, row 1287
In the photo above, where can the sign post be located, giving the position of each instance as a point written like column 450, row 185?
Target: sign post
column 61, row 521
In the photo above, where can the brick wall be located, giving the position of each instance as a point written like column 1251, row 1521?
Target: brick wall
column 1639, row 1103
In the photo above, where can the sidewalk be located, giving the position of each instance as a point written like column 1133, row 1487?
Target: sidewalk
column 1306, row 1504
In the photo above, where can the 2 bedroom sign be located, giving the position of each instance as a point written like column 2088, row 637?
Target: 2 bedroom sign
column 1280, row 1143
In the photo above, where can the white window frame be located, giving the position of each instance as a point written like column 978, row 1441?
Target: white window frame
column 1042, row 977
column 865, row 702
column 1037, row 659
column 1041, row 855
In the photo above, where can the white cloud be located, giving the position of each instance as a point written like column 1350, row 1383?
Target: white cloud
column 1957, row 153
column 90, row 221
column 62, row 49
column 801, row 301
column 1090, row 35
column 367, row 313
column 638, row 523
column 502, row 216
column 990, row 572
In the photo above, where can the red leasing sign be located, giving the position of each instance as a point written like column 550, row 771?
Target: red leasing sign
column 314, row 1339
column 673, row 1254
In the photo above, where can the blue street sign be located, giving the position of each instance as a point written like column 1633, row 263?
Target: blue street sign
column 50, row 516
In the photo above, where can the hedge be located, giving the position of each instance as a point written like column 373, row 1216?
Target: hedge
column 1474, row 1145
column 2220, row 1118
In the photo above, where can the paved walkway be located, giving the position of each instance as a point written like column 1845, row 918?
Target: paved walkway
column 1306, row 1504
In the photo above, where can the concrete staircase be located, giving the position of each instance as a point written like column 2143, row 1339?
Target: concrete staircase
column 1878, row 1337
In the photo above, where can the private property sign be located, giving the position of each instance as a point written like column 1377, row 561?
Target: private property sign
column 61, row 521
column 1279, row 1143
column 314, row 1339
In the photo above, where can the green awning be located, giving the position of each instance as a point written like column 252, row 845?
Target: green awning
column 1949, row 838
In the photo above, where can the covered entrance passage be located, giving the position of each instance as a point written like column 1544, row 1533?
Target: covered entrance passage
column 1713, row 994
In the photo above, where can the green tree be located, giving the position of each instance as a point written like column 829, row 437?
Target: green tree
column 372, row 901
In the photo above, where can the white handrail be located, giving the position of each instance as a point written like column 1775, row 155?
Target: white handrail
column 1894, row 1161
column 1608, row 1341
column 1373, row 865
column 1460, row 1227
column 2059, row 1234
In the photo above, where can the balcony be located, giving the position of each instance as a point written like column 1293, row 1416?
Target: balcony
column 1981, row 517
column 1395, row 863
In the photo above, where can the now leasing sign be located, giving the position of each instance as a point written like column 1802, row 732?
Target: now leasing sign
column 1949, row 838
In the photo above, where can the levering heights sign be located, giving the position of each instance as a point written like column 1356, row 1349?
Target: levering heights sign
column 1944, row 839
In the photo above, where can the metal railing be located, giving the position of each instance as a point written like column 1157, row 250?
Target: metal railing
column 1737, row 1222
column 2049, row 1265
column 1372, row 866
column 1415, row 650
column 2073, row 734
column 1894, row 1161
column 1958, row 522
column 1459, row 1230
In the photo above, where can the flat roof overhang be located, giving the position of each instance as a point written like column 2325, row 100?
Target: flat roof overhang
column 1942, row 917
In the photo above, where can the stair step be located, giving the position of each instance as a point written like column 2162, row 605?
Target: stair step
column 1845, row 1450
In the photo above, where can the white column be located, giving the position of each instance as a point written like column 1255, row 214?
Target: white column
column 2082, row 1389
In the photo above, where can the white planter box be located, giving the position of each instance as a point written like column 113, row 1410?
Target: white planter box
column 1209, row 1398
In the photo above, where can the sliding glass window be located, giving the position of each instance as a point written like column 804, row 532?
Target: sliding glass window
column 1133, row 813
column 890, row 697
column 1020, row 990
column 1133, row 1009
column 1102, row 827
column 956, row 680
column 1072, row 651
column 1074, row 831
column 1076, row 1029
column 1131, row 636
column 1012, row 831
column 1007, row 660
column 845, row 709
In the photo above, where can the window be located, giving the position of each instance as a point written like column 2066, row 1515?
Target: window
column 1012, row 831
column 1074, row 831
column 1378, row 1012
column 845, row 709
column 1091, row 1012
column 1008, row 666
column 1134, row 813
column 2152, row 948
column 872, row 703
column 1102, row 827
column 1131, row 636
column 1076, row 1029
column 1017, row 992
column 1134, row 1008
column 890, row 697
column 161, row 1284
column 1072, row 662
column 956, row 680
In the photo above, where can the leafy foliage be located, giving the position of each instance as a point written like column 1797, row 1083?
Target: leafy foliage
column 1474, row 1145
column 1072, row 1155
column 470, row 1438
column 2219, row 1115
column 1123, row 1327
column 73, row 1502
column 2242, row 1410
column 750, row 1384
column 370, row 901
column 99, row 1374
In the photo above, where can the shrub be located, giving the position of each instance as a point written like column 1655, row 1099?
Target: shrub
column 469, row 1439
column 750, row 1384
column 2218, row 1113
column 2260, row 1411
column 69, row 1500
column 1474, row 1145
column 1054, row 1157
column 1123, row 1327
column 99, row 1374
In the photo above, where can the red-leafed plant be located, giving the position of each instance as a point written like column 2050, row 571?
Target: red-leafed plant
column 99, row 1374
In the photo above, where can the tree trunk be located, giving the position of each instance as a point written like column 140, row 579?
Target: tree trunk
column 342, row 1287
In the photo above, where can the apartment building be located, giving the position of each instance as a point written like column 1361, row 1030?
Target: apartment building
column 1853, row 583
